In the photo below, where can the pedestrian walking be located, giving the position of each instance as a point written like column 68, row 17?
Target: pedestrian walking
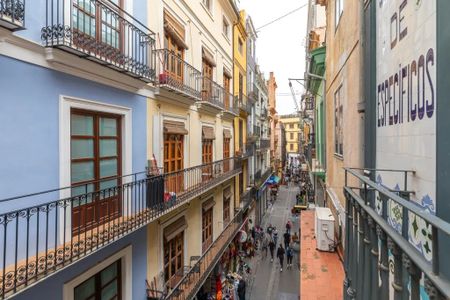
column 287, row 239
column 269, row 229
column 288, row 226
column 275, row 235
column 280, row 255
column 241, row 289
column 265, row 245
column 290, row 256
column 272, row 249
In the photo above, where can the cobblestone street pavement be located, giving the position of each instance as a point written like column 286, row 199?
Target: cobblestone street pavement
column 269, row 282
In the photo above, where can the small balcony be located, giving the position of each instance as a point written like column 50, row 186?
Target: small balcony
column 176, row 75
column 102, row 32
column 245, row 150
column 246, row 198
column 12, row 14
column 244, row 104
column 212, row 97
column 264, row 144
column 44, row 232
column 196, row 275
column 230, row 106
column 263, row 113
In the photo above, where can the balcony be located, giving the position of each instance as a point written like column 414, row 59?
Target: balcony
column 212, row 96
column 264, row 144
column 263, row 113
column 254, row 134
column 245, row 150
column 12, row 14
column 176, row 75
column 196, row 275
column 101, row 32
column 244, row 104
column 230, row 106
column 40, row 235
column 379, row 224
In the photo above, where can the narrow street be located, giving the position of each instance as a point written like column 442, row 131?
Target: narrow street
column 269, row 282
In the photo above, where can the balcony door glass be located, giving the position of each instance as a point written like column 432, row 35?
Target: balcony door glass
column 174, row 161
column 207, row 72
column 226, row 86
column 98, row 24
column 175, row 59
column 207, row 227
column 95, row 167
column 207, row 158
column 173, row 259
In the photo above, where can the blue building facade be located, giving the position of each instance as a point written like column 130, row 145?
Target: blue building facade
column 73, row 123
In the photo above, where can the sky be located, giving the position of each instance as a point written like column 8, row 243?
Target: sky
column 280, row 47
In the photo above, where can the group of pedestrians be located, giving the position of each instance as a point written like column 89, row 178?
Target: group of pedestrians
column 270, row 242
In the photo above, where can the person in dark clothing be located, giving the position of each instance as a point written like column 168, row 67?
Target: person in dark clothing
column 290, row 256
column 241, row 289
column 272, row 249
column 280, row 255
column 287, row 239
column 288, row 226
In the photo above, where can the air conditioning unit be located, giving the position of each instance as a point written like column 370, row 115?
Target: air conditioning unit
column 324, row 229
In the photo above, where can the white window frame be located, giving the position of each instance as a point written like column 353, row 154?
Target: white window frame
column 66, row 103
column 338, row 11
column 126, row 257
column 227, row 33
column 338, row 123
column 208, row 8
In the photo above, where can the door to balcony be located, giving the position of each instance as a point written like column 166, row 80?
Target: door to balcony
column 98, row 28
column 207, row 224
column 95, row 169
column 175, row 60
column 207, row 72
column 174, row 162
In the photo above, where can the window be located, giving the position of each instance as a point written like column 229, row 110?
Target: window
column 95, row 166
column 339, row 9
column 207, row 4
column 173, row 259
column 96, row 25
column 207, row 72
column 291, row 147
column 174, row 63
column 174, row 161
column 291, row 135
column 241, row 86
column 240, row 46
column 106, row 284
column 226, row 153
column 207, row 228
column 226, row 86
column 226, row 205
column 338, row 123
column 207, row 152
column 226, row 28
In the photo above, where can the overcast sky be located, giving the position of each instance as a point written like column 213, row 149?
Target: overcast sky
column 280, row 47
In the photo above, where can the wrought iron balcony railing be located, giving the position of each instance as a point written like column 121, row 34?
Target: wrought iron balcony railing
column 264, row 143
column 263, row 113
column 246, row 198
column 12, row 14
column 379, row 227
column 44, row 232
column 177, row 75
column 102, row 32
column 212, row 93
column 230, row 105
column 245, row 150
column 244, row 104
column 195, row 277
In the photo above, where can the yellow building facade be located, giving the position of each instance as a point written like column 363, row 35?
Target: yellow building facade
column 292, row 132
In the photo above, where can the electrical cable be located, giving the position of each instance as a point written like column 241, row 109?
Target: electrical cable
column 283, row 16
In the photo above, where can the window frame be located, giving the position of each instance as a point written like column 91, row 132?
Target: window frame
column 178, row 239
column 207, row 228
column 208, row 5
column 240, row 46
column 225, row 25
column 125, row 255
column 226, row 208
column 338, row 123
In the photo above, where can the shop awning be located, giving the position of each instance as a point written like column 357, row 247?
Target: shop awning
column 208, row 133
column 174, row 127
column 175, row 228
column 208, row 204
column 227, row 134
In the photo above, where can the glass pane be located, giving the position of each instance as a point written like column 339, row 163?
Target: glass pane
column 106, row 188
column 109, row 273
column 82, row 149
column 110, row 291
column 85, row 290
column 82, row 171
column 108, row 127
column 108, row 167
column 82, row 125
column 83, row 192
column 84, row 17
column 108, row 148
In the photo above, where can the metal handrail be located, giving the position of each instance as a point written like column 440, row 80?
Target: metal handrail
column 376, row 236
column 13, row 13
column 196, row 268
column 43, row 235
